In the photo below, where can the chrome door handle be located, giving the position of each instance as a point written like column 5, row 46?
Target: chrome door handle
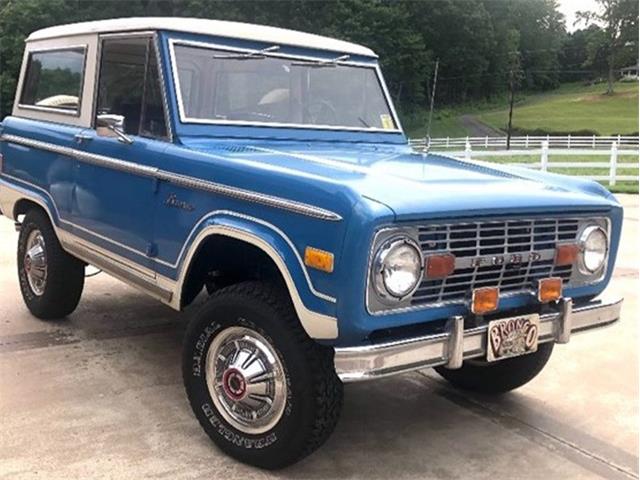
column 80, row 138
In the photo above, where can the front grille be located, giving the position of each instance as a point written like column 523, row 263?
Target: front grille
column 510, row 254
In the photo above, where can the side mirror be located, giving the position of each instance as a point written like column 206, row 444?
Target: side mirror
column 112, row 125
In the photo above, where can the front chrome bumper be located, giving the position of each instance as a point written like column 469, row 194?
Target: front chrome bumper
column 456, row 344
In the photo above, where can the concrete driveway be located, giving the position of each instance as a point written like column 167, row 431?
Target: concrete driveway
column 99, row 395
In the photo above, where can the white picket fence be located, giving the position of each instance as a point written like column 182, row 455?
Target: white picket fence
column 527, row 141
column 545, row 151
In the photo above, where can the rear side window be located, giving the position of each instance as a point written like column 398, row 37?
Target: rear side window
column 54, row 80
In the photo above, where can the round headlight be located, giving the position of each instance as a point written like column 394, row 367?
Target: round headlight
column 398, row 268
column 594, row 245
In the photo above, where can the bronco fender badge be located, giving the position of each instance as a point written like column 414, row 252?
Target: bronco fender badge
column 172, row 201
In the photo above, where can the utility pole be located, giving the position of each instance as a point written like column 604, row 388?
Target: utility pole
column 433, row 96
column 514, row 77
column 511, row 95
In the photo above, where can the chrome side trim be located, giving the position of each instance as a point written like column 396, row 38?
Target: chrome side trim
column 368, row 362
column 79, row 227
column 215, row 46
column 316, row 325
column 249, row 196
column 177, row 179
column 86, row 157
column 186, row 262
column 117, row 269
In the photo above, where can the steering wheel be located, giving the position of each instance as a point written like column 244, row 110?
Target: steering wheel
column 320, row 111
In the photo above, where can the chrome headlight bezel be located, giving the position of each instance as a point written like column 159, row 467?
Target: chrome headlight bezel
column 587, row 231
column 383, row 292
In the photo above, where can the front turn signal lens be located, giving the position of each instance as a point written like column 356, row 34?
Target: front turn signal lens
column 440, row 266
column 549, row 289
column 485, row 300
column 318, row 259
column 566, row 254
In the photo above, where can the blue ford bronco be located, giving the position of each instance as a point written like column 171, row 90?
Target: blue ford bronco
column 267, row 168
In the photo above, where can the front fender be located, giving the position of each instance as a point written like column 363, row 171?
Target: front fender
column 315, row 310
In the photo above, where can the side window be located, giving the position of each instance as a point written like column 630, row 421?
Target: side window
column 153, row 121
column 129, row 86
column 54, row 79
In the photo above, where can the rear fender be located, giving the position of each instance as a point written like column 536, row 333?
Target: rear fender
column 12, row 195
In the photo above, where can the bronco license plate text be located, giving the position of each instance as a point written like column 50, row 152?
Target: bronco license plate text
column 510, row 337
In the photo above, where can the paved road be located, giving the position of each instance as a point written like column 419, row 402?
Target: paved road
column 478, row 129
column 99, row 395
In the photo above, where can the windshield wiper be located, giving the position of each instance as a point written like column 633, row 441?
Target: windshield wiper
column 321, row 63
column 255, row 55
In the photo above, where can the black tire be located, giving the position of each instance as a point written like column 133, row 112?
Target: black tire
column 314, row 392
column 499, row 377
column 64, row 273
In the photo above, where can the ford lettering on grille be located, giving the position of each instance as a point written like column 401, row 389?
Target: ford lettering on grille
column 509, row 254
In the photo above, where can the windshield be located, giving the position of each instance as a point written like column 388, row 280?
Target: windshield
column 225, row 86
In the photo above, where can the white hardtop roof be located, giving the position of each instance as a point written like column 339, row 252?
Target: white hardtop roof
column 221, row 28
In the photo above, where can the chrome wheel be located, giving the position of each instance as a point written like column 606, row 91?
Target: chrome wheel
column 246, row 380
column 35, row 263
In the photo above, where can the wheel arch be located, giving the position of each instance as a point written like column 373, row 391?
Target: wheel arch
column 22, row 207
column 16, row 200
column 274, row 245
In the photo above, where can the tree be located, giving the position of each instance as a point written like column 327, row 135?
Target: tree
column 574, row 56
column 474, row 39
column 617, row 36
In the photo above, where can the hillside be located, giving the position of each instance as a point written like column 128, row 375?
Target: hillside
column 572, row 108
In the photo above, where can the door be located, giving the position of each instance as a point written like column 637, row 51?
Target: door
column 115, row 190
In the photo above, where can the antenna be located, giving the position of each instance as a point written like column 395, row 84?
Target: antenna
column 433, row 96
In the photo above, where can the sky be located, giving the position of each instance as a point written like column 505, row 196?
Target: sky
column 569, row 8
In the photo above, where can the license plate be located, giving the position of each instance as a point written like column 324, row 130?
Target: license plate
column 511, row 337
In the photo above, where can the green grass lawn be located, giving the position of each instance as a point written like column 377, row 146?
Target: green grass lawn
column 619, row 187
column 446, row 123
column 570, row 108
column 573, row 108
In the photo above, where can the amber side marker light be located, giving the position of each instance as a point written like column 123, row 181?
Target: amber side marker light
column 439, row 266
column 319, row 259
column 485, row 300
column 549, row 289
column 566, row 254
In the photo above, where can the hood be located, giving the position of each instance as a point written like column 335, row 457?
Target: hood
column 415, row 185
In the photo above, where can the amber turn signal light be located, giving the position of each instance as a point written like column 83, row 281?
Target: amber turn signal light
column 484, row 300
column 566, row 254
column 549, row 289
column 440, row 266
column 319, row 259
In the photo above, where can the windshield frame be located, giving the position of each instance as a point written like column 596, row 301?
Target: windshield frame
column 259, row 50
